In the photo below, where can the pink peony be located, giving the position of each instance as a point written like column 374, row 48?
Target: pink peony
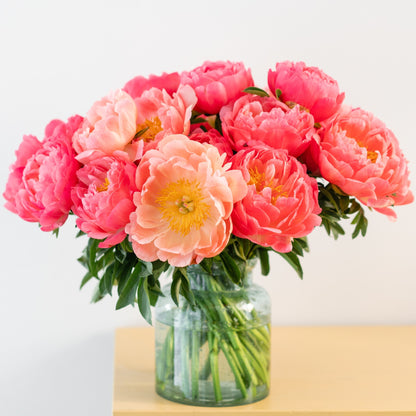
column 138, row 85
column 103, row 199
column 362, row 157
column 40, row 182
column 254, row 120
column 217, row 83
column 307, row 86
column 213, row 137
column 184, row 203
column 282, row 200
column 108, row 129
column 159, row 115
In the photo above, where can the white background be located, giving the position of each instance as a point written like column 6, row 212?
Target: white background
column 57, row 58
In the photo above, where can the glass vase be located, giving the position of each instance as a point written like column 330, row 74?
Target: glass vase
column 216, row 352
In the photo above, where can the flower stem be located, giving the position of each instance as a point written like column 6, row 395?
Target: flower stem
column 213, row 357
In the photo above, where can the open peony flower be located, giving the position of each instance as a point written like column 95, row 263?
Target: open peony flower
column 138, row 85
column 40, row 182
column 282, row 200
column 184, row 203
column 363, row 158
column 308, row 86
column 257, row 121
column 103, row 199
column 217, row 83
column 159, row 115
column 108, row 129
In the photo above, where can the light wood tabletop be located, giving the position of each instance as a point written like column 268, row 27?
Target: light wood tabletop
column 315, row 371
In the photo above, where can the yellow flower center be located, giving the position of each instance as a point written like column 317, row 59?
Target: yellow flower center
column 181, row 204
column 150, row 129
column 104, row 186
column 371, row 156
column 260, row 181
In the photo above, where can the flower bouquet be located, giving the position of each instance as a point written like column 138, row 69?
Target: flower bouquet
column 200, row 174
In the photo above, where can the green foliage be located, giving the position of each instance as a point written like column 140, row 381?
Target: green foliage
column 256, row 91
column 336, row 206
column 136, row 280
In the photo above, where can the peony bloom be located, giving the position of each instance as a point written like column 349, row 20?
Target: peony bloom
column 185, row 199
column 108, row 129
column 362, row 157
column 217, row 83
column 282, row 200
column 213, row 137
column 254, row 120
column 40, row 182
column 138, row 85
column 307, row 86
column 103, row 198
column 159, row 115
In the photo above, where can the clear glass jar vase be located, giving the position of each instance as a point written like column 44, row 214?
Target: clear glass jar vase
column 217, row 352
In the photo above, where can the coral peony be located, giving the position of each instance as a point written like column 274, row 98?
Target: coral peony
column 362, row 157
column 252, row 120
column 307, row 86
column 103, row 198
column 159, row 115
column 213, row 137
column 282, row 200
column 40, row 182
column 217, row 83
column 108, row 129
column 184, row 203
column 138, row 85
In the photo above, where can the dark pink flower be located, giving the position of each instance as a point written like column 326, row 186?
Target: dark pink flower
column 213, row 137
column 169, row 82
column 257, row 121
column 217, row 83
column 307, row 86
column 282, row 200
column 40, row 182
column 103, row 198
column 363, row 158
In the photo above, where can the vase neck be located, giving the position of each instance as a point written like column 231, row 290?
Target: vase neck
column 217, row 279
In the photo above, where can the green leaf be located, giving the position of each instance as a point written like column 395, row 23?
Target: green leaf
column 91, row 255
column 230, row 267
column 143, row 300
column 256, row 91
column 293, row 260
column 55, row 232
column 140, row 133
column 80, row 234
column 206, row 264
column 264, row 260
column 128, row 294
column 87, row 277
column 106, row 282
column 278, row 93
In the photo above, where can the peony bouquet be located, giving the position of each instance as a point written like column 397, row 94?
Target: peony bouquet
column 199, row 173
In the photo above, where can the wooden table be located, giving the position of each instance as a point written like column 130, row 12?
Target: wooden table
column 315, row 371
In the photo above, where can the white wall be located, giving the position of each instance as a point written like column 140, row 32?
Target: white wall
column 57, row 58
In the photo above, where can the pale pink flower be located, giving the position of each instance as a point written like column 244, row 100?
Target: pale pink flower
column 252, row 120
column 185, row 199
column 217, row 83
column 108, row 129
column 40, row 182
column 213, row 137
column 282, row 200
column 363, row 158
column 169, row 82
column 307, row 86
column 159, row 115
column 103, row 199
